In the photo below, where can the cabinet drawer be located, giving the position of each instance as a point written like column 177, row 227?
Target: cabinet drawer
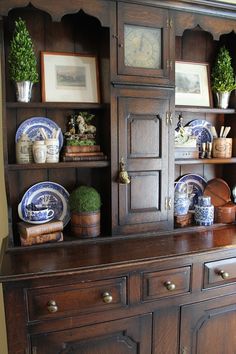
column 219, row 272
column 166, row 283
column 76, row 299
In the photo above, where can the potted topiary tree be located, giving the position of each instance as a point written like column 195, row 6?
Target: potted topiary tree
column 22, row 62
column 223, row 78
column 85, row 204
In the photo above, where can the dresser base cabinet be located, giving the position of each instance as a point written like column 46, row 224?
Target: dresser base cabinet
column 209, row 327
column 125, row 336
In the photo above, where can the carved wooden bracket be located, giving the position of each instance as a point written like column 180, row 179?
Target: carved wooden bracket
column 58, row 8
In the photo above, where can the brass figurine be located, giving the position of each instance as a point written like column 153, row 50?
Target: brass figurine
column 123, row 174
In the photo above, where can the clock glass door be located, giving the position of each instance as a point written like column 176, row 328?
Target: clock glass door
column 144, row 50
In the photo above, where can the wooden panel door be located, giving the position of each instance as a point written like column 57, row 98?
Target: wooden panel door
column 144, row 146
column 209, row 327
column 126, row 336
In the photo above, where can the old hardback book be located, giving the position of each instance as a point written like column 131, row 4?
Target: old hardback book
column 28, row 230
column 83, row 158
column 91, row 153
column 35, row 240
column 90, row 148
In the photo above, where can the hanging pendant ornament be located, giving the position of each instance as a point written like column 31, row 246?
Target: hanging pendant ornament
column 123, row 174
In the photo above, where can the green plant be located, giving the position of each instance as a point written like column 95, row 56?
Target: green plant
column 222, row 76
column 22, row 60
column 85, row 199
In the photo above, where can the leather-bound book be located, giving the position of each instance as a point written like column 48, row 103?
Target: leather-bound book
column 28, row 230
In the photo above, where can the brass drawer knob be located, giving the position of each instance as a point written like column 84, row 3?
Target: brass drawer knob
column 52, row 306
column 223, row 274
column 107, row 297
column 170, row 286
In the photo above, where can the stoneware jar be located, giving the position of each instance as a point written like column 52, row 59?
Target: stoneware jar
column 24, row 150
column 39, row 151
column 204, row 211
column 52, row 150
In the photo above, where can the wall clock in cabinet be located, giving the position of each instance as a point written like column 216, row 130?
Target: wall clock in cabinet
column 144, row 38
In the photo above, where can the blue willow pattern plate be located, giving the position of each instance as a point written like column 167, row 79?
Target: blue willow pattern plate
column 46, row 194
column 196, row 185
column 201, row 129
column 31, row 128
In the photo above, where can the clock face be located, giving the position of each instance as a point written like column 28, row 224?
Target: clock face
column 142, row 47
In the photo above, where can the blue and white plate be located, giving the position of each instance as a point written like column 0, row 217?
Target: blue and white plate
column 31, row 128
column 201, row 129
column 196, row 185
column 46, row 194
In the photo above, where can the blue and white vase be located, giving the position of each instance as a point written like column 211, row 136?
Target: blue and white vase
column 234, row 193
column 181, row 200
column 204, row 211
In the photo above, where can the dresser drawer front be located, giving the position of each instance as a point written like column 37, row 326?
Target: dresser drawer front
column 166, row 283
column 219, row 272
column 76, row 299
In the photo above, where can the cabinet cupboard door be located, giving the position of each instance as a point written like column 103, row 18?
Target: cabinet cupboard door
column 144, row 37
column 144, row 146
column 126, row 336
column 209, row 327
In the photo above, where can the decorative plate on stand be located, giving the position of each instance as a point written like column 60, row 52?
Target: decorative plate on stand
column 201, row 129
column 32, row 125
column 195, row 185
column 48, row 195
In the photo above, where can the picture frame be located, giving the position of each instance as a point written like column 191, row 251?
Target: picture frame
column 192, row 84
column 68, row 77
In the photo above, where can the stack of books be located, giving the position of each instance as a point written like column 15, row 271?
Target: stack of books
column 40, row 233
column 83, row 153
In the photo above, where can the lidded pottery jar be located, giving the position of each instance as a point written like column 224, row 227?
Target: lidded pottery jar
column 204, row 211
column 181, row 199
column 24, row 150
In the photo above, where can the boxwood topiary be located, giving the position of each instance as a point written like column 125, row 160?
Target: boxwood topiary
column 222, row 75
column 85, row 199
column 22, row 59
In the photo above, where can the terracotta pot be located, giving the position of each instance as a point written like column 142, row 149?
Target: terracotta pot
column 86, row 224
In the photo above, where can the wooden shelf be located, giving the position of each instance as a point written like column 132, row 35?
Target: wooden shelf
column 204, row 161
column 52, row 105
column 76, row 164
column 205, row 110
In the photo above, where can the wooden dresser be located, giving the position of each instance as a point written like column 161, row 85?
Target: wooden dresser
column 144, row 286
column 167, row 294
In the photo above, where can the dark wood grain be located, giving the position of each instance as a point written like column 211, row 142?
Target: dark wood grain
column 138, row 251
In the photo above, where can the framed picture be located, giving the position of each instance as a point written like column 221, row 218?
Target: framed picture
column 69, row 77
column 192, row 84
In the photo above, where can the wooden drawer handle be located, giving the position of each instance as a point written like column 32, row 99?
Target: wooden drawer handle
column 169, row 285
column 223, row 274
column 107, row 297
column 52, row 306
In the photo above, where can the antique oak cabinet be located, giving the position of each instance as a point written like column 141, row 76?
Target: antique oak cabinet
column 143, row 286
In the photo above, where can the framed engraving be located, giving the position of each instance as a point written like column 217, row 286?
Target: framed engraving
column 69, row 77
column 192, row 84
